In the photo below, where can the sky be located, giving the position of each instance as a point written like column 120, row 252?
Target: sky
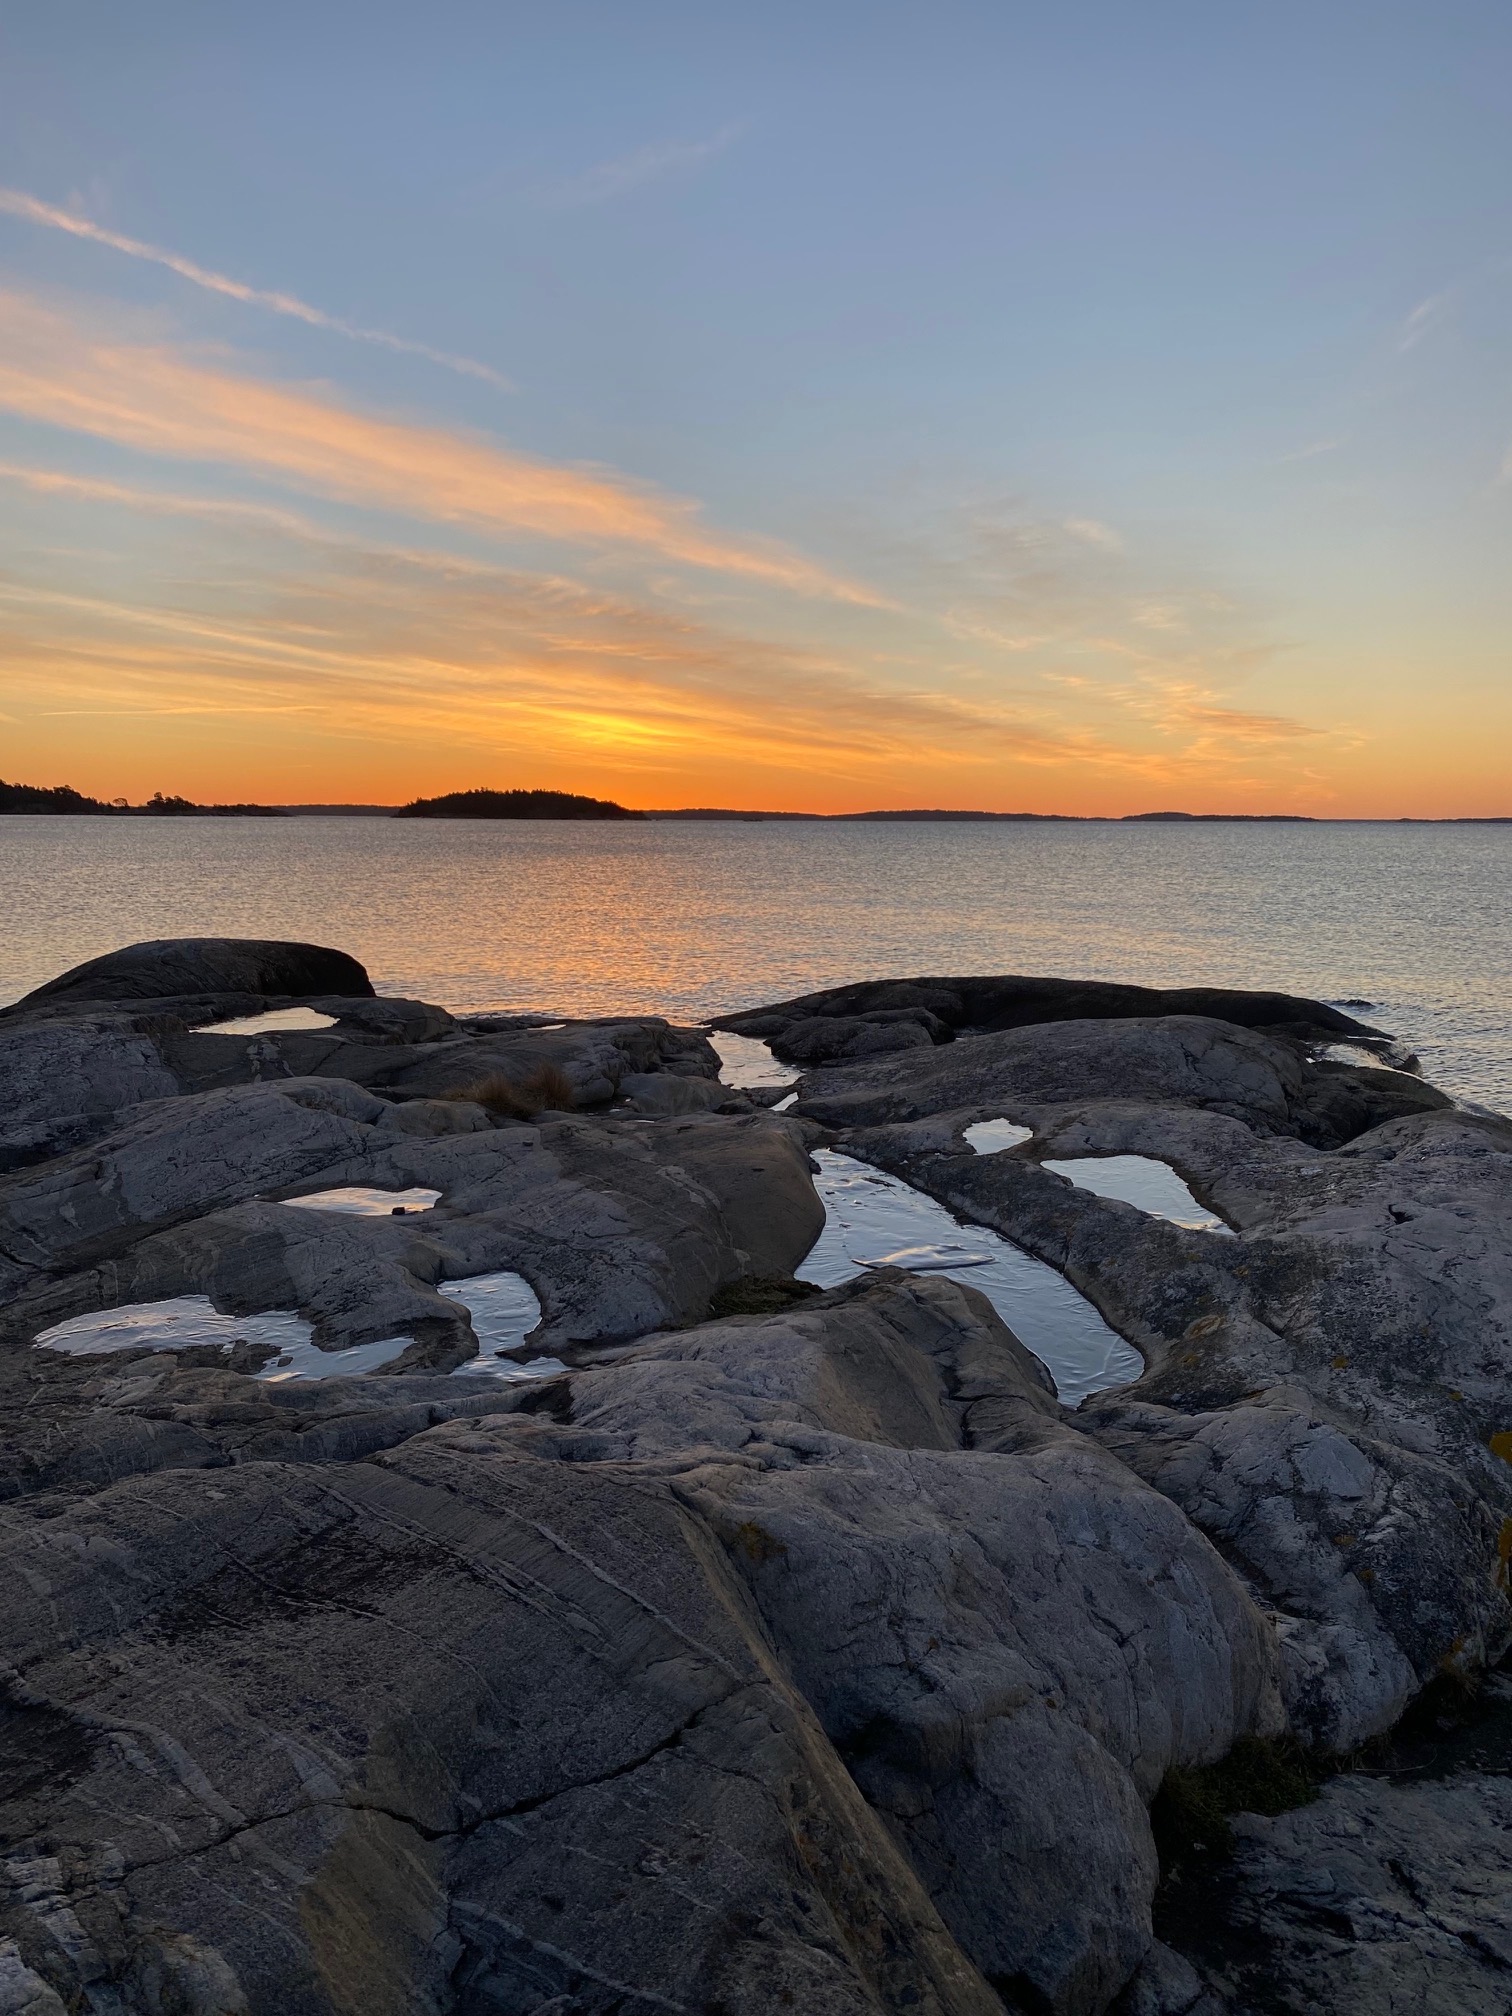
column 1094, row 408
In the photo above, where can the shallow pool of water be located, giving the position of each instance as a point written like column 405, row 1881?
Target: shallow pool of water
column 991, row 1137
column 180, row 1323
column 504, row 1309
column 185, row 1322
column 1140, row 1180
column 876, row 1220
column 304, row 1360
column 746, row 1060
column 364, row 1201
column 269, row 1023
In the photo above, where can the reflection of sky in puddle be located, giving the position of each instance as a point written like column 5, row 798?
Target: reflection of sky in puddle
column 991, row 1137
column 503, row 1308
column 1148, row 1185
column 876, row 1220
column 306, row 1361
column 184, row 1322
column 178, row 1324
column 746, row 1060
column 274, row 1020
column 363, row 1201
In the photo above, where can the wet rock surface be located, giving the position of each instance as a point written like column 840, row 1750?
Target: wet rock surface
column 812, row 1658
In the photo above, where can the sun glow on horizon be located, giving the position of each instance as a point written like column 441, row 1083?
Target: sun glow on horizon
column 793, row 492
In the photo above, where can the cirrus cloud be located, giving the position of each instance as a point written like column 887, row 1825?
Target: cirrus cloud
column 158, row 399
column 32, row 210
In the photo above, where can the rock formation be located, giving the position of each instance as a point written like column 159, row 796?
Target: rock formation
column 814, row 1658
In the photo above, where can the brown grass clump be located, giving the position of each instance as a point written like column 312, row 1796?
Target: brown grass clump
column 549, row 1089
column 545, row 1089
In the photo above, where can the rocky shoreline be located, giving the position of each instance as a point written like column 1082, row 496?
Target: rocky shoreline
column 776, row 1649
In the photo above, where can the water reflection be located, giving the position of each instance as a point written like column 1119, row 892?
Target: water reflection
column 178, row 1323
column 876, row 1220
column 991, row 1137
column 270, row 1023
column 746, row 1060
column 687, row 920
column 504, row 1308
column 187, row 1322
column 1143, row 1182
column 362, row 1200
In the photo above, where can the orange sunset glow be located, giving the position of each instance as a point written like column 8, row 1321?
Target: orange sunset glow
column 266, row 543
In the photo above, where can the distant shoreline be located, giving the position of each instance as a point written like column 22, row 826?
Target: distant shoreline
column 60, row 801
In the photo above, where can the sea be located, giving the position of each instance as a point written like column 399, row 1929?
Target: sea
column 1406, row 925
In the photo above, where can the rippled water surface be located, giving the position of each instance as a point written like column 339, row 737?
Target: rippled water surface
column 685, row 919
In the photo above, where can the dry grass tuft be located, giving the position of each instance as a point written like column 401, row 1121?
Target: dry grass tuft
column 549, row 1089
column 545, row 1089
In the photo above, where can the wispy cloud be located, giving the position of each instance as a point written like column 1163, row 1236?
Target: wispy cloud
column 633, row 171
column 507, row 665
column 1423, row 319
column 1178, row 705
column 380, row 648
column 1158, row 616
column 1092, row 533
column 1307, row 454
column 158, row 399
column 16, row 203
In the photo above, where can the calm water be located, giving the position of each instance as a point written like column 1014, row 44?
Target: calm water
column 687, row 919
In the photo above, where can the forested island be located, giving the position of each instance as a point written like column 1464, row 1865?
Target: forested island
column 62, row 798
column 517, row 804
column 514, row 805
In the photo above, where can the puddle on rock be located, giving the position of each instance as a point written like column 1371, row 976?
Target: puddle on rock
column 274, row 1021
column 363, row 1201
column 746, row 1060
column 991, row 1137
column 503, row 1308
column 876, row 1220
column 1150, row 1186
column 306, row 1361
column 184, row 1322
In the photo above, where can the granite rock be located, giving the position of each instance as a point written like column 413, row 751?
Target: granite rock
column 1325, row 1388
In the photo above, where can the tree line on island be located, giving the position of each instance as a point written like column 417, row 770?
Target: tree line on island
column 519, row 804
column 513, row 804
column 63, row 798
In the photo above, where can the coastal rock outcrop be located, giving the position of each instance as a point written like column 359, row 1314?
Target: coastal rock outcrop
column 620, row 1226
column 1325, row 1388
column 80, row 1053
column 983, row 1003
column 814, row 1662
column 762, row 1649
column 188, row 969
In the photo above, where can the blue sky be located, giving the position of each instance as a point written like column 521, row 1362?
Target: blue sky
column 1123, row 392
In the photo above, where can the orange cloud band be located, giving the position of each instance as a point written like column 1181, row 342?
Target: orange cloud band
column 155, row 398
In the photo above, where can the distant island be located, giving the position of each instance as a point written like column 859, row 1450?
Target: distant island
column 717, row 812
column 63, row 798
column 514, row 805
column 484, row 804
column 1285, row 818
